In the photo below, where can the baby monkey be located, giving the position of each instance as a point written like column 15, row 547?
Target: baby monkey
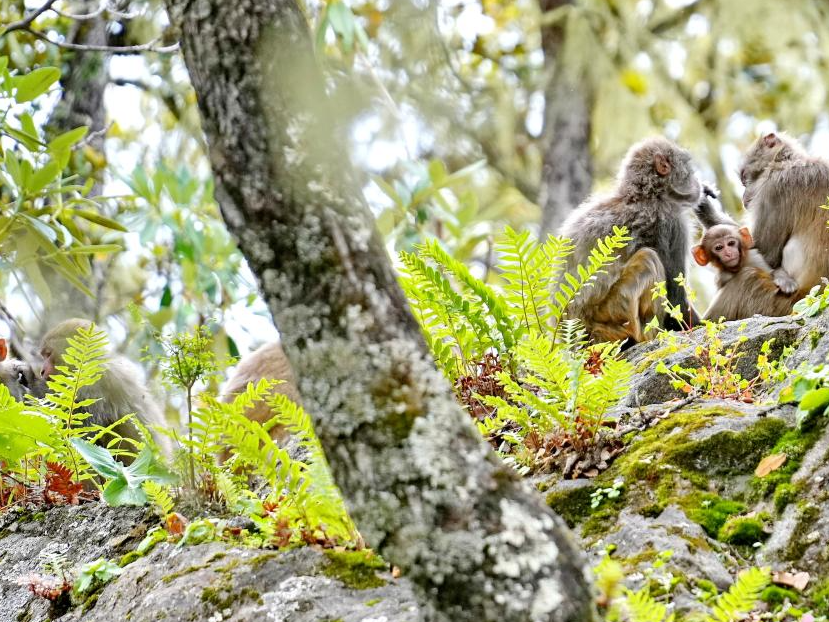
column 744, row 279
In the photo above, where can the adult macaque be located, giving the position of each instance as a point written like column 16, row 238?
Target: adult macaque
column 19, row 376
column 120, row 390
column 656, row 186
column 784, row 190
column 268, row 362
column 745, row 282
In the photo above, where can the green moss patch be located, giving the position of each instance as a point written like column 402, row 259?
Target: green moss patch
column 356, row 569
column 710, row 511
column 743, row 530
column 572, row 504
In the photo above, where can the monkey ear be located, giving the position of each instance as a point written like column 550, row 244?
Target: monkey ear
column 4, row 350
column 700, row 255
column 661, row 164
column 770, row 139
column 745, row 238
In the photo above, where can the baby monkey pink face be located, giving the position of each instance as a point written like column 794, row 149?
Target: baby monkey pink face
column 724, row 246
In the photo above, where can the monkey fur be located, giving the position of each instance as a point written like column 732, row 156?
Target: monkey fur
column 120, row 390
column 784, row 190
column 269, row 362
column 655, row 189
column 21, row 378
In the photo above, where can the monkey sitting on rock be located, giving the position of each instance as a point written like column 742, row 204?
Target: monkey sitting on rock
column 656, row 189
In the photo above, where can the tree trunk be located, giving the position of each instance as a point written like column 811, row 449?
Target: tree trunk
column 424, row 489
column 567, row 169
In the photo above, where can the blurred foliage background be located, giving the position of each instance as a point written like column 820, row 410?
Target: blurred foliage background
column 464, row 115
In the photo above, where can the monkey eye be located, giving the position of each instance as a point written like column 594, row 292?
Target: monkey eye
column 21, row 378
column 731, row 242
column 718, row 247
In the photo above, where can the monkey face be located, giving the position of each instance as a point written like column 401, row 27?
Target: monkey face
column 657, row 168
column 728, row 251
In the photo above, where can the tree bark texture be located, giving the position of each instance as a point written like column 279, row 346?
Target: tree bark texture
column 423, row 488
column 567, row 167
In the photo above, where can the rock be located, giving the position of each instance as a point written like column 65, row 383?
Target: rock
column 206, row 582
column 693, row 553
column 217, row 582
column 81, row 533
column 651, row 387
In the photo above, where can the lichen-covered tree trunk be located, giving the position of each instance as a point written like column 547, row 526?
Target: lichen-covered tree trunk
column 567, row 168
column 425, row 491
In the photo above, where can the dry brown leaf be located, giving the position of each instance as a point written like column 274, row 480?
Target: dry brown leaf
column 769, row 464
column 591, row 473
column 798, row 580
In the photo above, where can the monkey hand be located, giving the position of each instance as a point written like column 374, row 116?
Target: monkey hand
column 784, row 282
column 708, row 190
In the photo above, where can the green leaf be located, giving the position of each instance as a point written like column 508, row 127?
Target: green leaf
column 44, row 176
column 66, row 140
column 98, row 458
column 98, row 219
column 814, row 399
column 35, row 83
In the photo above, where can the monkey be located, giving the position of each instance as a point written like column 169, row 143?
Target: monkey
column 744, row 280
column 656, row 186
column 269, row 362
column 18, row 376
column 119, row 390
column 710, row 218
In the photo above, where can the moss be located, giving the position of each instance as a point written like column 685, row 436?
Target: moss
column 223, row 597
column 743, row 530
column 572, row 504
column 728, row 452
column 602, row 520
column 175, row 575
column 373, row 601
column 797, row 542
column 814, row 338
column 260, row 560
column 128, row 558
column 776, row 596
column 355, row 569
column 795, row 444
column 819, row 596
column 784, row 494
column 710, row 511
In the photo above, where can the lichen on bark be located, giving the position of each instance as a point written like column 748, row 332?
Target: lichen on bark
column 420, row 483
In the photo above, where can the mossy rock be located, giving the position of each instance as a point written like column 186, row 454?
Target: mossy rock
column 743, row 530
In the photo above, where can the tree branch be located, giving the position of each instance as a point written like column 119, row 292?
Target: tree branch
column 150, row 46
column 24, row 23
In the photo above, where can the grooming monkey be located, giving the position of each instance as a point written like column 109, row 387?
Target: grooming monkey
column 744, row 279
column 119, row 389
column 655, row 188
column 784, row 190
column 269, row 362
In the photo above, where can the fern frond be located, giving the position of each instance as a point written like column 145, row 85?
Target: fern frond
column 601, row 256
column 741, row 597
column 641, row 607
column 491, row 300
column 159, row 496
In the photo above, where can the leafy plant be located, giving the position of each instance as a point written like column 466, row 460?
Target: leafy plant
column 188, row 359
column 814, row 302
column 124, row 483
column 622, row 603
column 523, row 369
column 92, row 576
column 42, row 211
column 601, row 494
column 714, row 372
